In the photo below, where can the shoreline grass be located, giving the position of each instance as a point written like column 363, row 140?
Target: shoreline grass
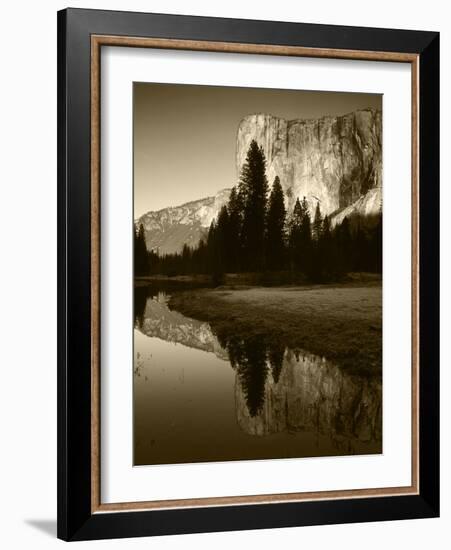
column 342, row 323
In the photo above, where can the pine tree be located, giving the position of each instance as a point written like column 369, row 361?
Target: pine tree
column 253, row 189
column 141, row 259
column 326, row 251
column 305, row 237
column 211, row 248
column 326, row 229
column 199, row 257
column 235, row 209
column 294, row 227
column 317, row 224
column 222, row 240
column 317, row 259
column 275, row 227
column 360, row 249
column 344, row 246
column 306, row 228
column 296, row 217
column 300, row 236
column 186, row 266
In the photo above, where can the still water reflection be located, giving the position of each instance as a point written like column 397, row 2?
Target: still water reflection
column 202, row 395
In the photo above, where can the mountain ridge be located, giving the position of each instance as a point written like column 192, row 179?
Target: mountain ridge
column 168, row 229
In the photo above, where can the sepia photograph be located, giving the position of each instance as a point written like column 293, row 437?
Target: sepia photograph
column 257, row 244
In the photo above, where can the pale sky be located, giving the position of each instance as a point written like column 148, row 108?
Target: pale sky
column 185, row 135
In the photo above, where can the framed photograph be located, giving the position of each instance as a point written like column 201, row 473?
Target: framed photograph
column 248, row 274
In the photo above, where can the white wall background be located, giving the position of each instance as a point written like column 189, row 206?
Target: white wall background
column 28, row 274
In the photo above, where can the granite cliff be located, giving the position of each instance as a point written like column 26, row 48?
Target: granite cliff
column 335, row 161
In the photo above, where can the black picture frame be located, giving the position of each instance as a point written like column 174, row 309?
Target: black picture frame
column 75, row 518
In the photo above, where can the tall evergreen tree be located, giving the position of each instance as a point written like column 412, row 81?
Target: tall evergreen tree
column 326, row 228
column 344, row 247
column 296, row 217
column 326, row 251
column 235, row 209
column 141, row 259
column 211, row 261
column 301, row 236
column 275, row 228
column 253, row 190
column 306, row 237
column 317, row 223
column 316, row 267
column 294, row 237
column 222, row 240
column 306, row 226
column 360, row 249
column 199, row 257
column 186, row 267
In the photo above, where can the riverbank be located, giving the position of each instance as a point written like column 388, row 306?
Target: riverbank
column 266, row 279
column 198, row 280
column 342, row 323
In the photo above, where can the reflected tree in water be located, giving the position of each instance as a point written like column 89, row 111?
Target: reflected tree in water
column 252, row 372
column 275, row 356
column 139, row 304
column 251, row 358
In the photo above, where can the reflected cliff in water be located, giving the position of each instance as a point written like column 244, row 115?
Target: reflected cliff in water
column 314, row 395
column 202, row 395
column 154, row 318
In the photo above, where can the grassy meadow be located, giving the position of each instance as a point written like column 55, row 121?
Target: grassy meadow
column 341, row 322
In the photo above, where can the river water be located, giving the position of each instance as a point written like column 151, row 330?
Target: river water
column 201, row 398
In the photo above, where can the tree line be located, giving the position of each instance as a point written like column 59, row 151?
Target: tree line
column 253, row 232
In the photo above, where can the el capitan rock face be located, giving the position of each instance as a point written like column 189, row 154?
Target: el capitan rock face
column 333, row 160
column 336, row 161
